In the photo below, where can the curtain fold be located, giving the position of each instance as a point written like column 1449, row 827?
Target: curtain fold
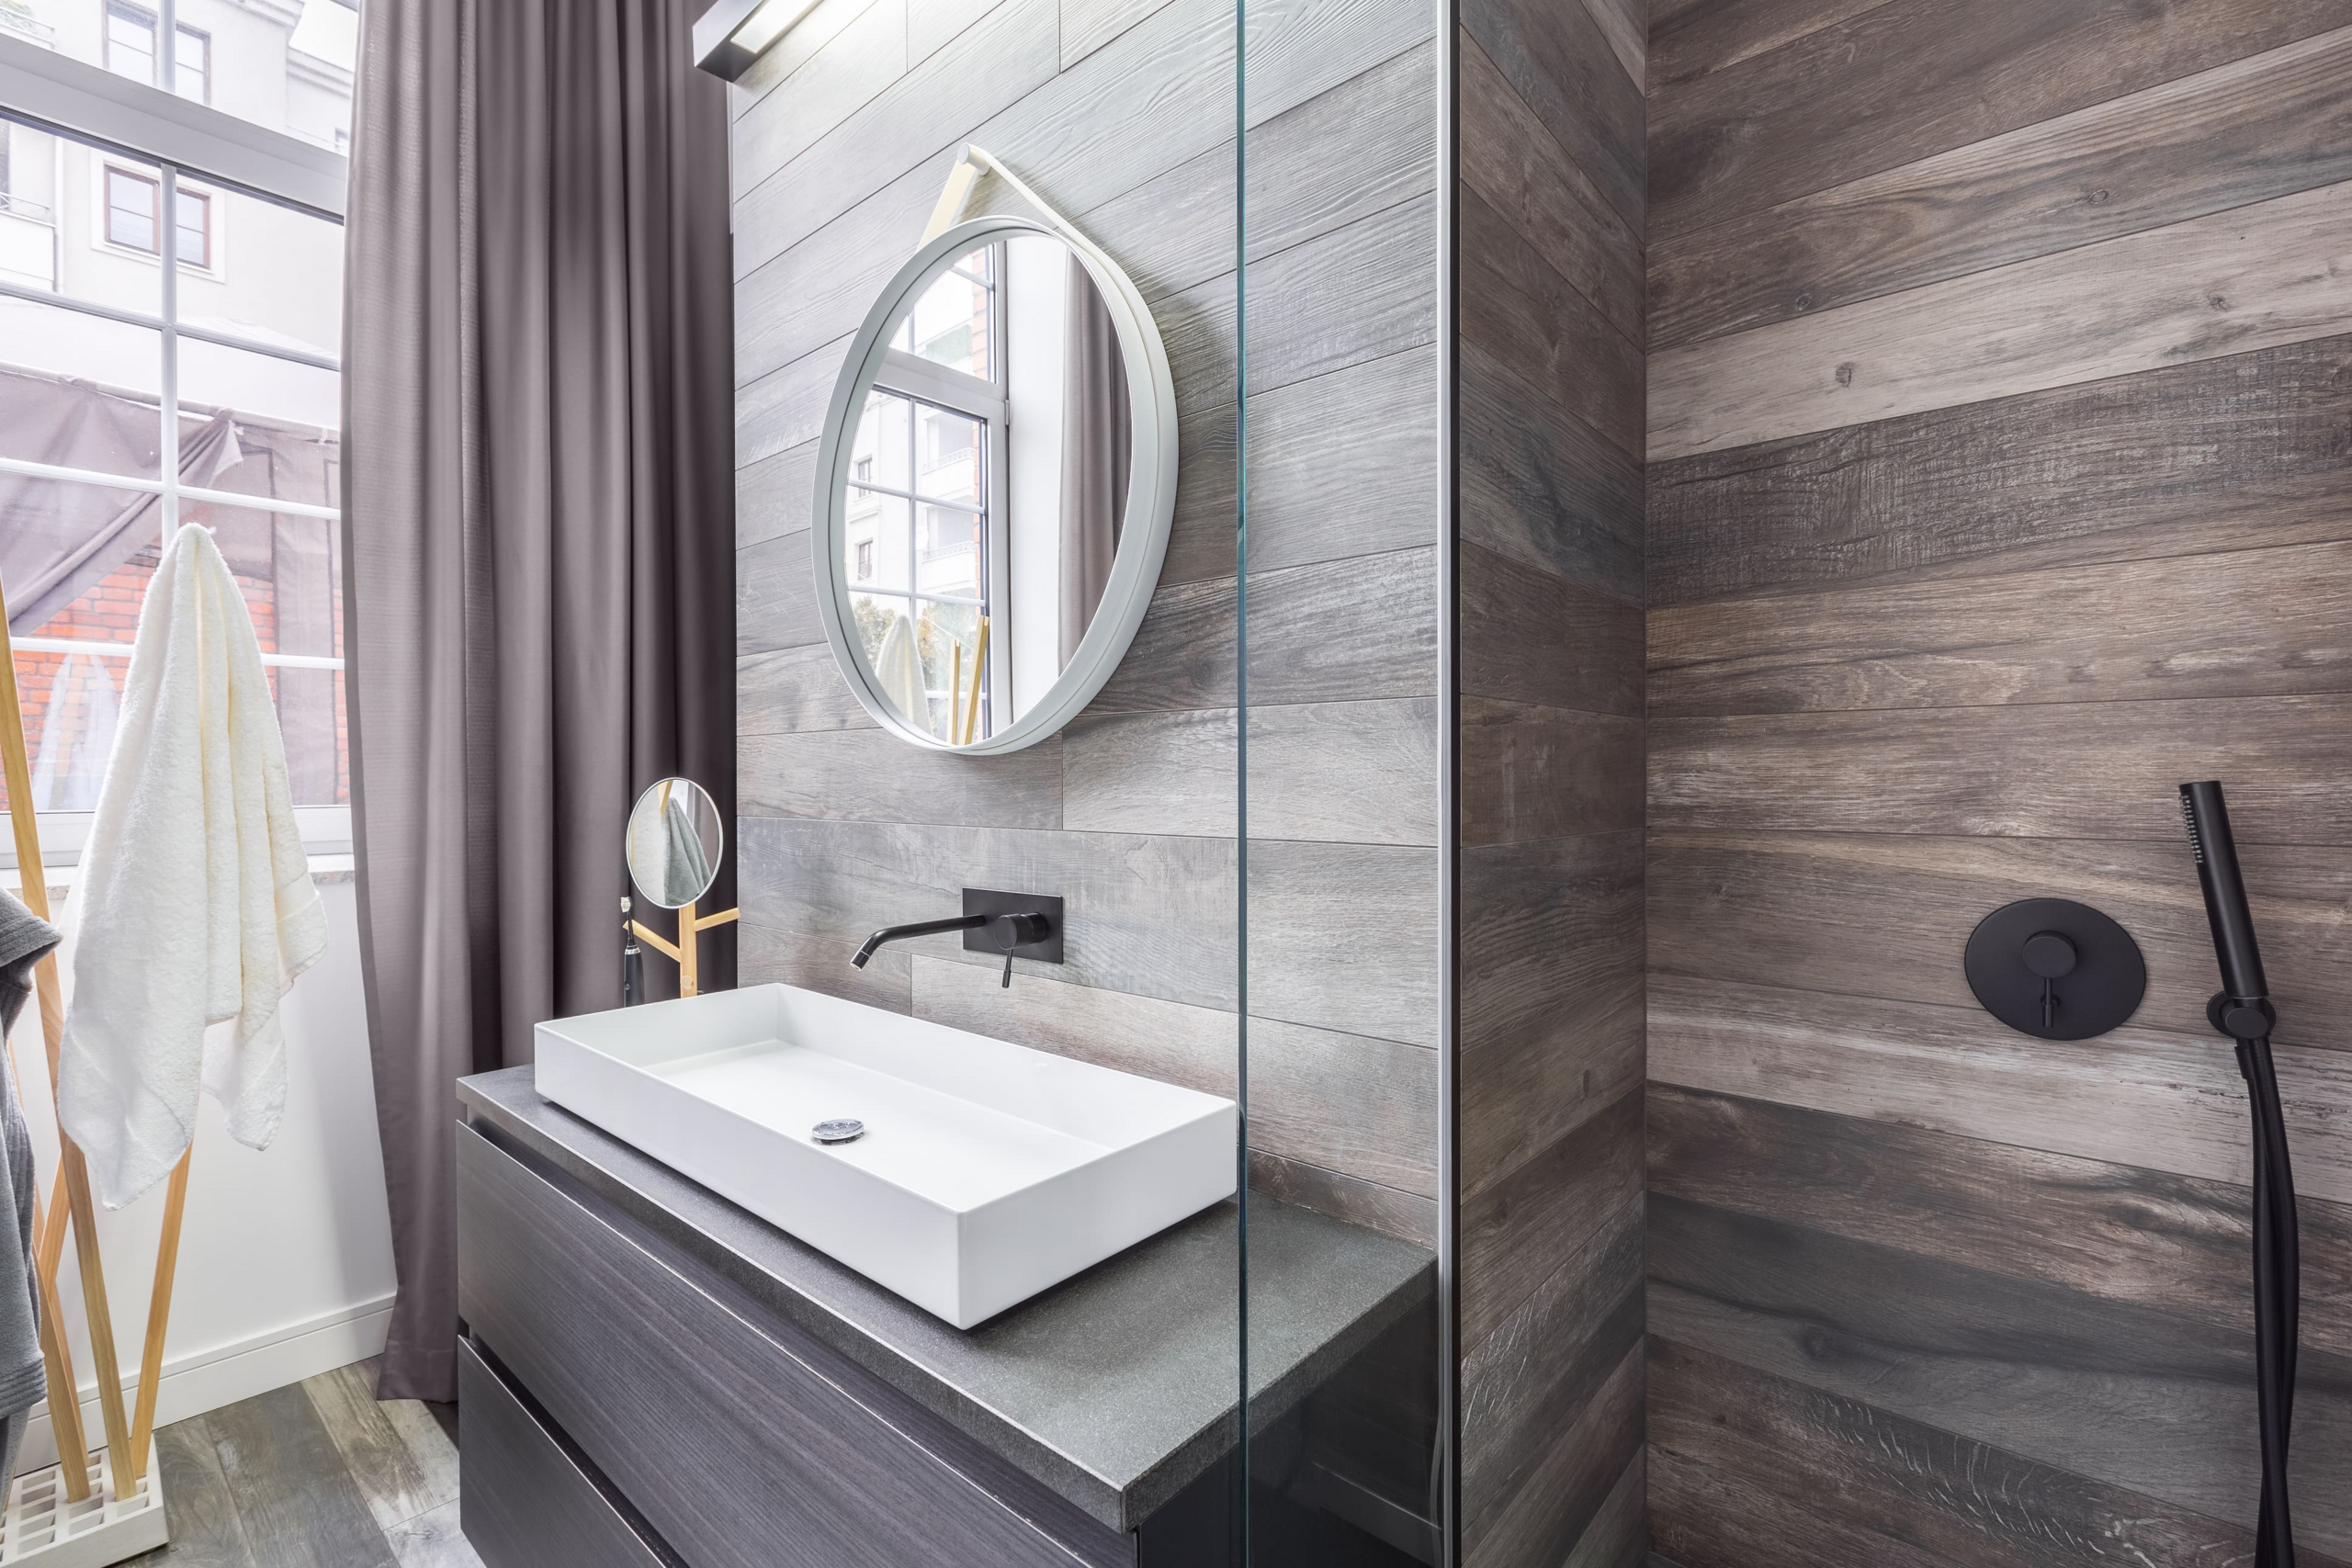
column 1098, row 447
column 538, row 522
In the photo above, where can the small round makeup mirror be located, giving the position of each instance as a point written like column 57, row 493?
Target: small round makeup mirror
column 674, row 843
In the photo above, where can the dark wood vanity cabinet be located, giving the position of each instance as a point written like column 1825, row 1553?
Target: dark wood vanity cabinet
column 647, row 1412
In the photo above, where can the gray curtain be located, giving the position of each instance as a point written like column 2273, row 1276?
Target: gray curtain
column 1098, row 443
column 538, row 515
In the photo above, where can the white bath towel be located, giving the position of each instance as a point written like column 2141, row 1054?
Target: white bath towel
column 194, row 904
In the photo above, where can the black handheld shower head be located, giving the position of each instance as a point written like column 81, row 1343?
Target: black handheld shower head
column 2243, row 1010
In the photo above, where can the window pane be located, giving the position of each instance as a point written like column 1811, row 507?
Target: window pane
column 949, row 560
column 193, row 63
column 949, row 324
column 290, row 569
column 78, row 391
column 257, row 424
column 948, row 636
column 947, row 447
column 133, row 202
column 879, row 455
column 276, row 275
column 72, row 702
column 76, row 560
column 130, row 41
column 194, row 220
column 874, row 540
column 55, row 213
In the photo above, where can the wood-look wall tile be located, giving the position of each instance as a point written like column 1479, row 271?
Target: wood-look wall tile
column 1531, row 773
column 1824, row 1481
column 815, row 957
column 785, row 408
column 1344, row 937
column 1542, row 487
column 1343, row 465
column 1196, row 327
column 2257, row 277
column 1193, row 1047
column 775, row 495
column 793, row 689
column 860, row 61
column 1619, row 1535
column 1300, row 49
column 2223, row 455
column 1688, row 39
column 1088, row 25
column 1154, row 916
column 1361, row 292
column 1532, row 636
column 2122, row 1394
column 1202, row 537
column 1545, row 1227
column 1358, row 773
column 1625, row 24
column 1887, row 915
column 2241, row 623
column 933, row 24
column 775, row 596
column 1335, row 631
column 1558, row 59
column 1528, row 317
column 1543, row 1521
column 818, row 290
column 1367, row 1203
column 2138, row 1096
column 1538, row 1366
column 799, row 44
column 872, row 776
column 1510, row 160
column 2064, row 770
column 917, row 119
column 2237, row 134
column 2120, row 1231
column 1900, row 82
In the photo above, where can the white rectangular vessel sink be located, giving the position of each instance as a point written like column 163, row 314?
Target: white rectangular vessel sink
column 986, row 1171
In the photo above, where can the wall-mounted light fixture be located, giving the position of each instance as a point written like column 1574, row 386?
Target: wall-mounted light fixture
column 733, row 33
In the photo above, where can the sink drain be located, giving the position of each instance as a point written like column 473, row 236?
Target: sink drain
column 839, row 1130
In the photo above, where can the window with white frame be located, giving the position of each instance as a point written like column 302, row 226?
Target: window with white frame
column 144, row 388
column 924, row 511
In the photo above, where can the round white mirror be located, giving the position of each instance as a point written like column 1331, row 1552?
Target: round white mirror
column 674, row 843
column 995, row 487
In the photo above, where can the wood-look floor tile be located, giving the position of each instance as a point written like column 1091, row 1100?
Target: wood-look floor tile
column 433, row 1540
column 206, row 1531
column 297, row 1499
column 402, row 1463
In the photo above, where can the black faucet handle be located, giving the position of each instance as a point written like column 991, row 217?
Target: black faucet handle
column 1019, row 930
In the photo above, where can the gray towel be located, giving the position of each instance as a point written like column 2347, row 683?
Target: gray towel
column 24, row 937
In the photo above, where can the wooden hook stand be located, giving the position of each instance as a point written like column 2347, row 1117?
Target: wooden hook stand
column 128, row 1436
column 686, row 951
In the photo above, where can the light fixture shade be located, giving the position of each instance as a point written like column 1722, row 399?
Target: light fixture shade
column 731, row 34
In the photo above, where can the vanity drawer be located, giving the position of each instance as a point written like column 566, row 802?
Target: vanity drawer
column 732, row 1440
column 526, row 1502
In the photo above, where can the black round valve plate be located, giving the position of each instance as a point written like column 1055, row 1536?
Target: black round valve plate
column 2101, row 993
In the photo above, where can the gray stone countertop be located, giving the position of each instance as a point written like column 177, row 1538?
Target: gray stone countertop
column 1115, row 1388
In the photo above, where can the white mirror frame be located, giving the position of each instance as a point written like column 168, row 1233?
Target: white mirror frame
column 1143, row 532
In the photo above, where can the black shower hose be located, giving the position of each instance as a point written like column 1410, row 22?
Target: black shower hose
column 2278, row 1273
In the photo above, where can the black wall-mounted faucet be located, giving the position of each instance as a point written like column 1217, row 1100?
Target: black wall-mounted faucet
column 1017, row 925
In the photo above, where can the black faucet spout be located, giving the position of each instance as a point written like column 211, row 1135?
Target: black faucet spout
column 919, row 928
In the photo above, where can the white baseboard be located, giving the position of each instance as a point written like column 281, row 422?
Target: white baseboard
column 223, row 1374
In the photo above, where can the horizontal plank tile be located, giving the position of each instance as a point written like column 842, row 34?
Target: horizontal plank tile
column 1154, row 916
column 1526, row 316
column 2254, row 278
column 2122, row 1394
column 1688, row 39
column 1510, row 160
column 785, row 408
column 1088, row 25
column 2222, row 455
column 775, row 596
column 1532, row 636
column 874, row 776
column 1542, row 488
column 932, row 24
column 1619, row 1533
column 1531, row 773
column 916, row 120
column 815, row 956
column 775, row 495
column 797, row 45
column 2240, row 624
column 1335, row 631
column 865, row 57
column 2240, row 134
column 1361, row 292
column 1384, row 1209
column 1357, row 773
column 1526, row 1380
column 2139, row 1096
column 2060, row 771
column 1298, row 49
column 792, row 689
column 1826, row 1481
column 1888, row 915
column 1527, row 1235
column 1543, row 1519
column 1558, row 59
column 1344, row 937
column 2121, row 1233
column 1900, row 82
column 1625, row 24
column 818, row 290
column 1345, row 464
